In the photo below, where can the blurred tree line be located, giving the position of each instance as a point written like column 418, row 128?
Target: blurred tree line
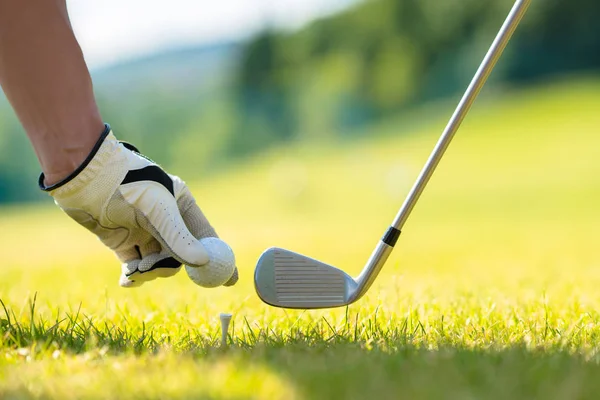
column 386, row 55
column 329, row 80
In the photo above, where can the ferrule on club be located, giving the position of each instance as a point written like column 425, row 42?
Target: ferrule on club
column 371, row 270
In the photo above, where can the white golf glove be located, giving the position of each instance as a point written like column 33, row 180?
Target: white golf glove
column 148, row 217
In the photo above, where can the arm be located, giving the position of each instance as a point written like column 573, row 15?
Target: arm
column 148, row 217
column 46, row 80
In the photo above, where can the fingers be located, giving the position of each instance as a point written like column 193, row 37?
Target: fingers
column 194, row 218
column 198, row 224
column 157, row 212
column 136, row 272
column 234, row 278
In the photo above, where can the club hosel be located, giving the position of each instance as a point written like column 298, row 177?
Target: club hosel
column 371, row 269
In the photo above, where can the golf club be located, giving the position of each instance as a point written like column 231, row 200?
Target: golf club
column 286, row 279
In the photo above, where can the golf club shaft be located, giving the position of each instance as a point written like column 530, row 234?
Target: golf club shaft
column 486, row 67
column 386, row 244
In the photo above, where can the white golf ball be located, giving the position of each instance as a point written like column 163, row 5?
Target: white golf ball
column 220, row 267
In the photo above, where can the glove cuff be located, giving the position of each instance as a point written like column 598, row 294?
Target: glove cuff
column 81, row 168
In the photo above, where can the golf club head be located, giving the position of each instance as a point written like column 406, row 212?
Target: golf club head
column 286, row 279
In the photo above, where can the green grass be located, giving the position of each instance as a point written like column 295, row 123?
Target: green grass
column 490, row 293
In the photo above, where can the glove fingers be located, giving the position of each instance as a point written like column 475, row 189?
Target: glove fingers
column 234, row 278
column 150, row 247
column 157, row 213
column 198, row 224
column 136, row 272
column 194, row 218
column 139, row 251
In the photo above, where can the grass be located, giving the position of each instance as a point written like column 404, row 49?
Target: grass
column 491, row 292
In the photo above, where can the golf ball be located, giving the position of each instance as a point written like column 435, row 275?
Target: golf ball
column 220, row 267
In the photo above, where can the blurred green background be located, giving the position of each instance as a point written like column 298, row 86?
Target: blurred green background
column 291, row 136
column 199, row 110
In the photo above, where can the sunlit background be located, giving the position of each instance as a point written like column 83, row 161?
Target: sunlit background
column 112, row 31
column 292, row 120
column 303, row 124
column 225, row 81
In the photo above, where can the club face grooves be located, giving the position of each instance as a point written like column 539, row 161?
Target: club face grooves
column 290, row 280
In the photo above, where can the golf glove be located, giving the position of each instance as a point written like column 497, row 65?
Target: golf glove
column 148, row 217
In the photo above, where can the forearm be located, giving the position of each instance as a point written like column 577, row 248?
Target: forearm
column 46, row 80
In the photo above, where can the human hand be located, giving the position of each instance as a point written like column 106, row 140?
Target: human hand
column 148, row 217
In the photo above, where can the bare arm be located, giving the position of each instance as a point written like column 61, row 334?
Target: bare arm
column 46, row 80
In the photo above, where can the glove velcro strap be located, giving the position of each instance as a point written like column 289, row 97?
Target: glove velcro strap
column 85, row 163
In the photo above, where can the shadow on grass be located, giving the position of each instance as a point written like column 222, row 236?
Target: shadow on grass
column 359, row 361
column 346, row 371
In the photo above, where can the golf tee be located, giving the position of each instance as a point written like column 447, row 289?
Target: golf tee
column 225, row 320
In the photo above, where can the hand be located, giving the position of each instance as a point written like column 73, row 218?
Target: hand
column 148, row 217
